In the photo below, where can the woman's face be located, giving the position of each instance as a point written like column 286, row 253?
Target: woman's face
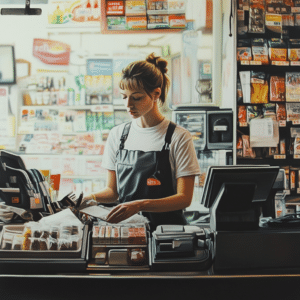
column 138, row 102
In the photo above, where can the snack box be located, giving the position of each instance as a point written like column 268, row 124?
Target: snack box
column 177, row 21
column 114, row 8
column 135, row 8
column 116, row 23
column 136, row 23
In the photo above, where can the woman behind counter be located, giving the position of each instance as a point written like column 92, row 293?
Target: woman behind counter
column 151, row 162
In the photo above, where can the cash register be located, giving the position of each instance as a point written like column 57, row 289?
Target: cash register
column 237, row 198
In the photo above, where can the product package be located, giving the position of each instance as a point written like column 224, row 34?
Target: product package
column 242, row 114
column 292, row 111
column 269, row 111
column 247, row 150
column 288, row 20
column 282, row 146
column 177, row 21
column 116, row 23
column 294, row 49
column 297, row 19
column 260, row 50
column 245, row 77
column 242, row 29
column 293, row 178
column 135, row 8
column 257, row 16
column 280, row 112
column 253, row 112
column 136, row 23
column 115, row 8
column 239, row 147
column 277, row 49
column 239, row 95
column 292, row 86
column 244, row 50
column 277, row 88
column 259, row 87
column 158, row 21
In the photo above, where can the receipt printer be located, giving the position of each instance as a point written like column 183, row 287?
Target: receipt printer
column 182, row 248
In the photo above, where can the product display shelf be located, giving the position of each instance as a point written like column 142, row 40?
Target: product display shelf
column 100, row 107
column 105, row 30
column 287, row 160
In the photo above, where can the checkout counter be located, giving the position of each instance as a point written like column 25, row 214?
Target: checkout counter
column 234, row 253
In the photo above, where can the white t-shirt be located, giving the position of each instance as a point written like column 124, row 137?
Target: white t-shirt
column 183, row 158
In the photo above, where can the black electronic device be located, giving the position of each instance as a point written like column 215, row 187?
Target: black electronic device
column 220, row 129
column 235, row 195
column 22, row 11
column 182, row 248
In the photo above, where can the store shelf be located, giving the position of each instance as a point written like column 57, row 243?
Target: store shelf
column 96, row 107
column 268, row 68
column 86, row 177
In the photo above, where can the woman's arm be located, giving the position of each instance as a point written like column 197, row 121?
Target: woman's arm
column 109, row 194
column 181, row 200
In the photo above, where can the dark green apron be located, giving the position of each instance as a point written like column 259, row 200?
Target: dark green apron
column 137, row 171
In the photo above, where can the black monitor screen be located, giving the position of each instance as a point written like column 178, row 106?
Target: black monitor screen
column 7, row 65
column 262, row 177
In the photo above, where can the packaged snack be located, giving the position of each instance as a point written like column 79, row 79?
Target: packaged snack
column 294, row 49
column 136, row 23
column 259, row 87
column 242, row 114
column 242, row 28
column 292, row 111
column 95, row 235
column 260, row 50
column 115, row 237
column 64, row 244
column 291, row 146
column 269, row 111
column 17, row 242
column 177, row 21
column 100, row 258
column 288, row 20
column 239, row 95
column 7, row 241
column 135, row 7
column 297, row 19
column 138, row 256
column 280, row 112
column 277, row 50
column 273, row 151
column 247, row 150
column 245, row 77
column 124, row 234
column 115, row 7
column 244, row 50
column 293, row 179
column 282, row 147
column 108, row 230
column 287, row 175
column 116, row 23
column 35, row 244
column 52, row 244
column 239, row 147
column 43, row 244
column 292, row 86
column 297, row 145
column 54, row 231
column 277, row 88
column 75, row 240
column 257, row 16
column 253, row 112
column 102, row 230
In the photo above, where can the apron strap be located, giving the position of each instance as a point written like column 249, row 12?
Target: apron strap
column 168, row 136
column 124, row 135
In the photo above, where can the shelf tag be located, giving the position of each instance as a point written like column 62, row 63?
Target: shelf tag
column 296, row 122
column 255, row 62
column 280, row 63
column 279, row 156
column 245, row 62
column 296, row 156
column 243, row 124
column 295, row 63
column 102, row 108
column 273, row 20
column 282, row 123
column 298, row 190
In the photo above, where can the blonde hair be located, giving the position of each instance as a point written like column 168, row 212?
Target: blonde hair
column 147, row 75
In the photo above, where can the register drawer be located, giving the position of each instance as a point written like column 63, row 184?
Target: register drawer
column 257, row 250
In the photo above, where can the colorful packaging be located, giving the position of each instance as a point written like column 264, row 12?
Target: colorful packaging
column 294, row 49
column 253, row 112
column 177, row 21
column 259, row 87
column 257, row 16
column 158, row 21
column 282, row 146
column 239, row 96
column 136, row 23
column 280, row 112
column 247, row 150
column 269, row 111
column 135, row 8
column 239, row 147
column 244, row 50
column 292, row 111
column 116, row 23
column 292, row 86
column 277, row 50
column 277, row 88
column 288, row 20
column 114, row 8
column 242, row 114
column 260, row 50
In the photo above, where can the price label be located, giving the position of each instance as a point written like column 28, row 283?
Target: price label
column 245, row 62
column 296, row 156
column 279, row 156
column 280, row 63
column 295, row 63
column 298, row 190
column 254, row 62
column 282, row 123
column 295, row 9
column 273, row 20
column 296, row 122
column 243, row 124
column 102, row 108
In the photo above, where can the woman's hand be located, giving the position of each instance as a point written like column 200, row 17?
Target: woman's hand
column 123, row 211
column 87, row 201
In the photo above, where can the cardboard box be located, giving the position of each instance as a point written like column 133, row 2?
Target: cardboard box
column 136, row 23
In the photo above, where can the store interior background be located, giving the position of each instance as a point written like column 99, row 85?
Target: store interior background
column 87, row 43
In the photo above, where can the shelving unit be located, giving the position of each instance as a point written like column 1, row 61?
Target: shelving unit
column 287, row 160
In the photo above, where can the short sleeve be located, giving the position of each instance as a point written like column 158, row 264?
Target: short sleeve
column 109, row 156
column 186, row 162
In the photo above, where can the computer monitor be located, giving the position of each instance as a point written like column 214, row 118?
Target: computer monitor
column 7, row 65
column 235, row 194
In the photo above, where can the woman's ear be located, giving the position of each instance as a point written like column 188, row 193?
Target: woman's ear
column 156, row 93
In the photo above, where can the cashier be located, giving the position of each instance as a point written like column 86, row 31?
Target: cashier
column 151, row 162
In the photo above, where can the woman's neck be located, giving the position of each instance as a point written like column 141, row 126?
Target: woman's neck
column 150, row 121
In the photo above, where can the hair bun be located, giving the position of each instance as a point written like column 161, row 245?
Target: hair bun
column 159, row 62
